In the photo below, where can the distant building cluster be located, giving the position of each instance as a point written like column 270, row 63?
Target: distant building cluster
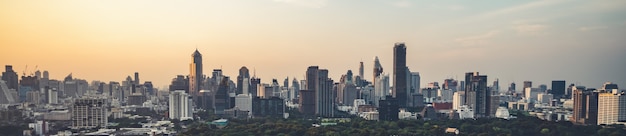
column 394, row 95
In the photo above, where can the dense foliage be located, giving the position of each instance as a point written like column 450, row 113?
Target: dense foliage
column 523, row 126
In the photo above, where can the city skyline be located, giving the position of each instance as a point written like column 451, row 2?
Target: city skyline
column 513, row 42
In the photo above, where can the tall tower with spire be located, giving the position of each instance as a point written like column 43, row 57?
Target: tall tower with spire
column 195, row 74
column 378, row 69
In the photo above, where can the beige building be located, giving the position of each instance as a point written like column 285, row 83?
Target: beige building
column 609, row 107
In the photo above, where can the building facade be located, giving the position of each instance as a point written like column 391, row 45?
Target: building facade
column 89, row 113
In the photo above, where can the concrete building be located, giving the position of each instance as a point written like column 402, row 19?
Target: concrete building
column 89, row 113
column 52, row 96
column 458, row 99
column 585, row 106
column 611, row 108
column 180, row 106
column 477, row 95
column 381, row 88
column 388, row 109
column 545, row 99
column 532, row 94
column 243, row 102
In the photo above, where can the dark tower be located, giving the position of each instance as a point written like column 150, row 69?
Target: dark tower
column 558, row 88
column 477, row 95
column 399, row 74
column 243, row 74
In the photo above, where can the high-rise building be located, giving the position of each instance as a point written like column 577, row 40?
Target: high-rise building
column 254, row 82
column 532, row 94
column 295, row 88
column 458, row 100
column 205, row 100
column 137, row 78
column 317, row 80
column 477, row 95
column 7, row 96
column 558, row 88
column 306, row 101
column 52, row 96
column 195, row 73
column 528, row 84
column 400, row 87
column 381, row 88
column 450, row 84
column 512, row 88
column 325, row 100
column 222, row 99
column 608, row 86
column 180, row 105
column 244, row 102
column 388, row 109
column 495, row 88
column 611, row 108
column 268, row 107
column 415, row 82
column 10, row 77
column 361, row 74
column 585, row 106
column 543, row 88
column 378, row 69
column 243, row 81
column 89, row 113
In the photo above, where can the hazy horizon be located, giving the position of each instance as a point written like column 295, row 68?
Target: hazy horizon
column 540, row 41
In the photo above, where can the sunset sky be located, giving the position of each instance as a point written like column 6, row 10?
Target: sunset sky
column 580, row 41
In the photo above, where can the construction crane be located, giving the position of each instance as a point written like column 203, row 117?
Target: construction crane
column 24, row 71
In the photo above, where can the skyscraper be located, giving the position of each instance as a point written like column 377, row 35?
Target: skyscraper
column 477, row 95
column 137, row 78
column 254, row 86
column 317, row 79
column 558, row 88
column 378, row 69
column 361, row 69
column 10, row 77
column 222, row 99
column 243, row 80
column 585, row 106
column 195, row 73
column 527, row 84
column 179, row 105
column 399, row 74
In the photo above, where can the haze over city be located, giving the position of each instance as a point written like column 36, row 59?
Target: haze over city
column 577, row 41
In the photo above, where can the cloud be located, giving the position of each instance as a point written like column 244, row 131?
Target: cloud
column 449, row 7
column 591, row 28
column 521, row 8
column 402, row 4
column 530, row 28
column 306, row 3
column 475, row 40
